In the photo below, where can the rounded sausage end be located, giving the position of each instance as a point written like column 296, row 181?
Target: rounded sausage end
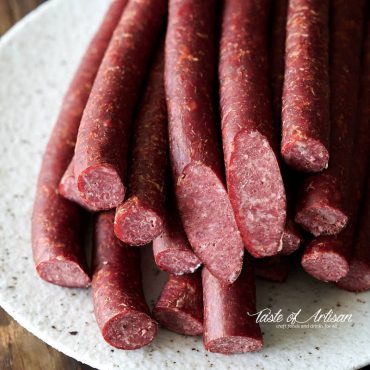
column 291, row 241
column 178, row 321
column 137, row 224
column 307, row 155
column 63, row 273
column 130, row 330
column 257, row 193
column 92, row 185
column 323, row 261
column 321, row 219
column 358, row 278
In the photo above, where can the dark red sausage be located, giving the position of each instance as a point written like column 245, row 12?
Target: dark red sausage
column 328, row 257
column 254, row 181
column 322, row 209
column 204, row 206
column 103, row 137
column 320, row 206
column 305, row 114
column 277, row 54
column 292, row 238
column 358, row 278
column 56, row 235
column 228, row 327
column 68, row 188
column 140, row 218
column 172, row 251
column 180, row 306
column 274, row 268
column 119, row 305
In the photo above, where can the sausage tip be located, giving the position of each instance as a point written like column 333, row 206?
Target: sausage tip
column 321, row 220
column 63, row 273
column 130, row 330
column 92, row 185
column 324, row 261
column 308, row 155
column 136, row 224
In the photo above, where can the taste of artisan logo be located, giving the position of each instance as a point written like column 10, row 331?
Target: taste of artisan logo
column 295, row 320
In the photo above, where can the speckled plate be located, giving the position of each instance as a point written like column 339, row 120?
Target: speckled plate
column 37, row 59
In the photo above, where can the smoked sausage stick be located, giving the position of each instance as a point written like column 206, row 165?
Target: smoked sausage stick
column 105, row 130
column 277, row 55
column 180, row 306
column 228, row 325
column 254, row 180
column 292, row 237
column 305, row 113
column 119, row 305
column 203, row 203
column 56, row 222
column 139, row 219
column 328, row 257
column 322, row 209
column 358, row 277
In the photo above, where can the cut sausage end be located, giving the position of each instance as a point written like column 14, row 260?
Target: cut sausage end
column 130, row 330
column 136, row 224
column 178, row 321
column 358, row 278
column 257, row 193
column 63, row 273
column 209, row 221
column 321, row 219
column 291, row 241
column 234, row 345
column 177, row 262
column 307, row 155
column 324, row 263
column 101, row 187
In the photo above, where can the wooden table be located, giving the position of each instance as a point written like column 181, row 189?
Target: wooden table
column 19, row 349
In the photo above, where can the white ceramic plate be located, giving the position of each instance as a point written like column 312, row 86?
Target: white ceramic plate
column 37, row 60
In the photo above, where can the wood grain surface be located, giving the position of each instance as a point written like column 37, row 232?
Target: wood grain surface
column 19, row 349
